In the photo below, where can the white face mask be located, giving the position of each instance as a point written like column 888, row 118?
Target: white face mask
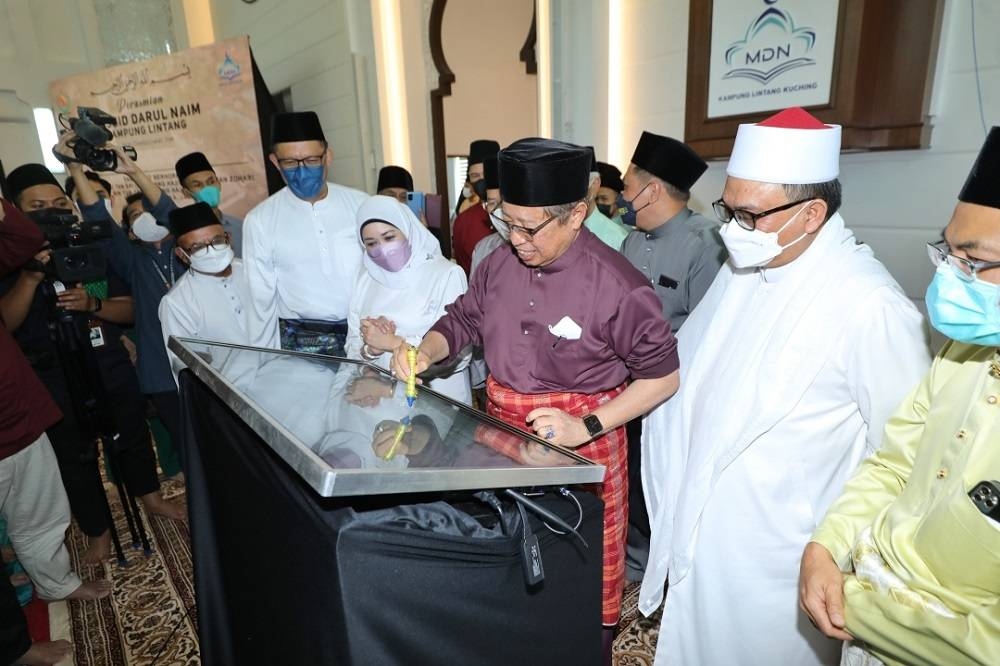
column 754, row 248
column 209, row 260
column 147, row 230
column 501, row 229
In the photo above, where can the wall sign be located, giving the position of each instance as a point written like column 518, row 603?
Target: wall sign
column 770, row 54
column 196, row 99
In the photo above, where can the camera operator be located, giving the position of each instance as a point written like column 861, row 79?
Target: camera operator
column 32, row 498
column 104, row 304
column 149, row 266
column 115, row 203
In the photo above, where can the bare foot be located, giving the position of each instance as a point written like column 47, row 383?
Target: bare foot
column 46, row 653
column 155, row 504
column 98, row 548
column 93, row 589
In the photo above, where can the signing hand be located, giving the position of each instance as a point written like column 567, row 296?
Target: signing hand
column 821, row 591
column 76, row 299
column 557, row 427
column 400, row 366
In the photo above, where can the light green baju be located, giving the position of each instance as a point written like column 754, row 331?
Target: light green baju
column 913, row 495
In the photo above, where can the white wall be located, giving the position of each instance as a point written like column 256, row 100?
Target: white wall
column 40, row 41
column 322, row 50
column 895, row 201
column 493, row 96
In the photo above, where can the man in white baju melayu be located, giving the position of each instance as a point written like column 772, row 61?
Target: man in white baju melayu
column 790, row 366
column 208, row 302
column 299, row 245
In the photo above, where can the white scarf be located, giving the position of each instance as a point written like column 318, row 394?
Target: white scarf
column 744, row 366
column 425, row 249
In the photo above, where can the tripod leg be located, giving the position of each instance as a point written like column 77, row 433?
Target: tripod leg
column 116, row 470
column 115, row 541
column 130, row 506
column 147, row 549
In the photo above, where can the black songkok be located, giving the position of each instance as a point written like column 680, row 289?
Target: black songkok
column 189, row 218
column 543, row 172
column 29, row 175
column 669, row 160
column 983, row 184
column 611, row 177
column 480, row 149
column 394, row 176
column 296, row 126
column 191, row 163
column 491, row 173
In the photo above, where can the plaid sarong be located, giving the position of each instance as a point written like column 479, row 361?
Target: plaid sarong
column 610, row 450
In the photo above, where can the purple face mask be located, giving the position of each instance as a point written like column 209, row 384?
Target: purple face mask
column 391, row 256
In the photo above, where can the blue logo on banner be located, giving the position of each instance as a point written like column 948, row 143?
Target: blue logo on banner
column 772, row 45
column 229, row 69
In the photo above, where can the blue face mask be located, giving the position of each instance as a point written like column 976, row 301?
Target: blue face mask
column 964, row 311
column 626, row 210
column 210, row 194
column 305, row 182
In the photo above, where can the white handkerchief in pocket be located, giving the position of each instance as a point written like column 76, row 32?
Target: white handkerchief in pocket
column 566, row 328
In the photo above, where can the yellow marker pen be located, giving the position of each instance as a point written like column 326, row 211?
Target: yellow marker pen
column 411, row 381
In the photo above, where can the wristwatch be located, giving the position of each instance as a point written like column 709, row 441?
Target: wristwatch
column 594, row 425
column 98, row 304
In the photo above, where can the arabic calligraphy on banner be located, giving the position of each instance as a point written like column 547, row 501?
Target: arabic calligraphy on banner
column 770, row 54
column 198, row 99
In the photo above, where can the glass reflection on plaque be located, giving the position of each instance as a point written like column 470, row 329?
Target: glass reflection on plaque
column 355, row 416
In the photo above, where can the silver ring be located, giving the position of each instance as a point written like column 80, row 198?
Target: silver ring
column 550, row 433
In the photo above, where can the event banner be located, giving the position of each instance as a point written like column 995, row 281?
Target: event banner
column 770, row 54
column 198, row 99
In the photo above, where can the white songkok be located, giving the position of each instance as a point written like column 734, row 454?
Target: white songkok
column 791, row 147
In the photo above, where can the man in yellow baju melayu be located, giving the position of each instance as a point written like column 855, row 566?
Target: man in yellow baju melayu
column 906, row 564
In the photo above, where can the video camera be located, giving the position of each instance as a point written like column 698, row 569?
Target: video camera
column 91, row 128
column 75, row 257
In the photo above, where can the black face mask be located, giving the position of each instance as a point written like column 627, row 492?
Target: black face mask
column 605, row 209
column 479, row 187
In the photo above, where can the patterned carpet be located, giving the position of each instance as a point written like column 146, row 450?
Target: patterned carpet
column 635, row 644
column 143, row 622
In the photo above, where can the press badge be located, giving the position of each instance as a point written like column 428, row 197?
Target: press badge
column 96, row 336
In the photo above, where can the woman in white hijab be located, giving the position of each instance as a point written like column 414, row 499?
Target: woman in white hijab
column 402, row 288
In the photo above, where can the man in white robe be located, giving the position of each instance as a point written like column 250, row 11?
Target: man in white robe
column 299, row 246
column 790, row 366
column 208, row 302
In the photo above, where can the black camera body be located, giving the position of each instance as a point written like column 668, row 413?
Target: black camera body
column 75, row 256
column 91, row 128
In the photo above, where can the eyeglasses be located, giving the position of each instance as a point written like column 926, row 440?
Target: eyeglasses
column 217, row 243
column 311, row 161
column 745, row 218
column 940, row 252
column 504, row 223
